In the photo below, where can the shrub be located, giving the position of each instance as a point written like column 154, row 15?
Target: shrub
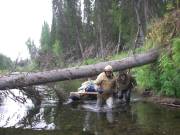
column 164, row 75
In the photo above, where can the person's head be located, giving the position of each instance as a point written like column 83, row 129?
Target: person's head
column 108, row 71
column 123, row 75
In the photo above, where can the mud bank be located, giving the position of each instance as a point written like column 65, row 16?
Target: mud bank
column 166, row 101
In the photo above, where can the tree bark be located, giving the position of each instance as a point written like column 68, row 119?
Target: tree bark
column 101, row 38
column 27, row 79
column 119, row 42
column 140, row 33
column 100, row 28
column 177, row 2
column 79, row 42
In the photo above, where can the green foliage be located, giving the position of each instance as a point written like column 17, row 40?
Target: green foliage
column 89, row 61
column 164, row 76
column 176, row 50
column 31, row 48
column 170, row 70
column 169, row 6
column 5, row 62
column 172, row 4
column 146, row 77
column 45, row 37
column 69, row 85
column 119, row 56
column 148, row 44
column 78, row 29
column 170, row 67
column 113, row 57
column 126, row 25
column 167, row 75
column 117, row 14
column 57, row 48
column 31, row 66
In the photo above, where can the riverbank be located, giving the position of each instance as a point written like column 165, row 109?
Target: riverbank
column 148, row 96
column 167, row 101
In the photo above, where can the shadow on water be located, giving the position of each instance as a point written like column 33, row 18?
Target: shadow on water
column 51, row 117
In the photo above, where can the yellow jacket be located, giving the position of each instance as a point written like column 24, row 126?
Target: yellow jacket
column 107, row 84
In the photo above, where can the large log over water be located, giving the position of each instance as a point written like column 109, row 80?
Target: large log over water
column 27, row 79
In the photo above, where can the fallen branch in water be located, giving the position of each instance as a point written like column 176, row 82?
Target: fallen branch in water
column 171, row 105
column 166, row 101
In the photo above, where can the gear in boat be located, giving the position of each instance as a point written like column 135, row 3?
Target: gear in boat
column 87, row 91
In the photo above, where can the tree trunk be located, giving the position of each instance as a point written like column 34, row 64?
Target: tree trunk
column 27, row 79
column 146, row 15
column 119, row 43
column 177, row 2
column 136, row 39
column 140, row 33
column 79, row 42
column 101, row 39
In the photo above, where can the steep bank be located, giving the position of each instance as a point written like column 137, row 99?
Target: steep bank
column 162, row 77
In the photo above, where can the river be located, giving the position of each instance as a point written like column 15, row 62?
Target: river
column 51, row 117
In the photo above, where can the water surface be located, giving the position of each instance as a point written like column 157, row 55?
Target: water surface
column 51, row 117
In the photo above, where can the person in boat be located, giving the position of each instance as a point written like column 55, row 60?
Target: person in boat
column 125, row 83
column 106, row 86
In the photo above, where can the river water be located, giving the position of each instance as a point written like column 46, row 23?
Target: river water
column 51, row 117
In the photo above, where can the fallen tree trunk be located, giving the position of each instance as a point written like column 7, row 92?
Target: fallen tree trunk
column 27, row 79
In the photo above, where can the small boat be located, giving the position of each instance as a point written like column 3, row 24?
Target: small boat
column 87, row 91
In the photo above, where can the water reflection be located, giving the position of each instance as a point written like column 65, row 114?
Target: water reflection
column 110, row 122
column 12, row 111
column 82, row 120
column 39, row 118
column 50, row 117
column 17, row 110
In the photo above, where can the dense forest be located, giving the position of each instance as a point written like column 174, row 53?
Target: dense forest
column 5, row 62
column 95, row 29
